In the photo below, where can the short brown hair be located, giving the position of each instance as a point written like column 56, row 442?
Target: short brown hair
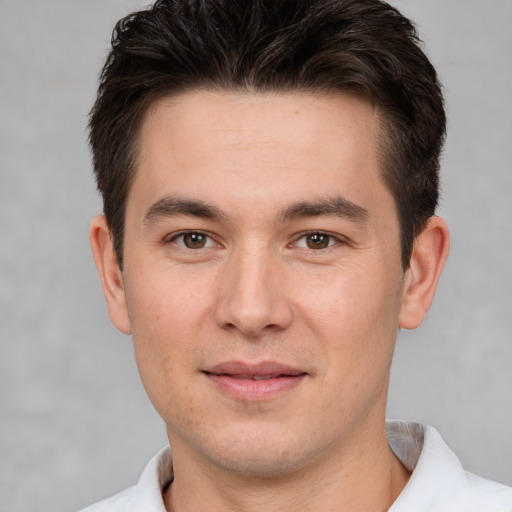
column 365, row 47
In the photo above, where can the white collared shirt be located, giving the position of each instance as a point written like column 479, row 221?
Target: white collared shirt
column 438, row 482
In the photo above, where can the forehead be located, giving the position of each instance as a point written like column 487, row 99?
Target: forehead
column 265, row 146
column 257, row 117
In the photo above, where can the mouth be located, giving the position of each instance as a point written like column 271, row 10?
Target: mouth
column 254, row 382
column 256, row 377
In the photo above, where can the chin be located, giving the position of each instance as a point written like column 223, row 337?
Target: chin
column 262, row 454
column 260, row 464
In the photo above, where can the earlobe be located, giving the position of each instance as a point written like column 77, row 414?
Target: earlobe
column 429, row 255
column 109, row 272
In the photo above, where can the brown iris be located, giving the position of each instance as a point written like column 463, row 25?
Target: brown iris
column 317, row 241
column 194, row 240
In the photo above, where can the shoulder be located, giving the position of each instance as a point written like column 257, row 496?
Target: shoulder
column 146, row 495
column 125, row 501
column 438, row 481
column 488, row 494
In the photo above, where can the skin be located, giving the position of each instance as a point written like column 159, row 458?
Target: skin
column 322, row 293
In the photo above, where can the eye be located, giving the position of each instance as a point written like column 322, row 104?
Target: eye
column 316, row 240
column 193, row 240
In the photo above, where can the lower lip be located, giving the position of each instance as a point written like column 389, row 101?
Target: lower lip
column 255, row 390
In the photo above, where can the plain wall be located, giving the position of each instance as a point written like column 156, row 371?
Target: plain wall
column 75, row 424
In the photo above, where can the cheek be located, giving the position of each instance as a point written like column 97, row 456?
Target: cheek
column 356, row 314
column 165, row 317
column 165, row 302
column 350, row 293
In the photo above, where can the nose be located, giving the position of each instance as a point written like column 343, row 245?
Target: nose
column 253, row 299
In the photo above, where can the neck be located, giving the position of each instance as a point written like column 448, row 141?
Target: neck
column 368, row 476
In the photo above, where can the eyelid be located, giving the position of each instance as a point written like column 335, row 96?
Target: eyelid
column 171, row 238
column 338, row 239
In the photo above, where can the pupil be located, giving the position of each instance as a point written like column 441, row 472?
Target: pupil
column 317, row 241
column 194, row 240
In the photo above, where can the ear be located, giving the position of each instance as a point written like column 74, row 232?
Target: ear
column 110, row 273
column 427, row 261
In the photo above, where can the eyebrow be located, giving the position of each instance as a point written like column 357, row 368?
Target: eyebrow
column 332, row 206
column 172, row 206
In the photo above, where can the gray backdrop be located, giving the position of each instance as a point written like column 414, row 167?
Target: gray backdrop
column 75, row 423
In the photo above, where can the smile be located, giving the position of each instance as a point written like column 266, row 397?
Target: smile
column 256, row 377
column 260, row 382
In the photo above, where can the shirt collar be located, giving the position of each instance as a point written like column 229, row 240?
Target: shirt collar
column 438, row 482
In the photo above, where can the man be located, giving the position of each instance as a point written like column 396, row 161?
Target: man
column 269, row 173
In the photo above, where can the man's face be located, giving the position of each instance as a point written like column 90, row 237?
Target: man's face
column 262, row 276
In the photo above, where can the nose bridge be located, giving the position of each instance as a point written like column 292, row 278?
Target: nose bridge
column 251, row 298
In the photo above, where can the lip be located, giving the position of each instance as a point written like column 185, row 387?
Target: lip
column 254, row 382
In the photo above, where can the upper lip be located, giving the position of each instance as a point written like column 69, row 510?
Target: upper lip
column 253, row 369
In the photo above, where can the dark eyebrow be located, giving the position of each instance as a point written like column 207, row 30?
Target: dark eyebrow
column 335, row 206
column 171, row 206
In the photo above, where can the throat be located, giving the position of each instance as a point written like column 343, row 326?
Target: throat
column 307, row 491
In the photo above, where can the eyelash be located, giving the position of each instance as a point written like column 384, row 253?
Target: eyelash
column 210, row 241
column 332, row 240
